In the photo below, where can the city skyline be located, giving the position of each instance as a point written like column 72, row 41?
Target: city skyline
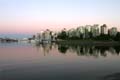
column 32, row 16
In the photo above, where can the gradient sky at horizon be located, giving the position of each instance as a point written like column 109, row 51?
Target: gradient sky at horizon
column 32, row 16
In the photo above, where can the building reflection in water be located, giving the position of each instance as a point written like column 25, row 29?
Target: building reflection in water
column 46, row 48
column 95, row 51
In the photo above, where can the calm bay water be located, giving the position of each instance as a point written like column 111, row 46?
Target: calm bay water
column 21, row 61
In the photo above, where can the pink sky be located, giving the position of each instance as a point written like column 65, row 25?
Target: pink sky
column 37, row 26
column 32, row 16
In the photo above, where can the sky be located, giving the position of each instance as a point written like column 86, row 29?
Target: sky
column 32, row 16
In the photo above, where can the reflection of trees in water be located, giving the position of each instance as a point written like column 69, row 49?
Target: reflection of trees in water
column 102, row 49
column 63, row 48
column 86, row 51
column 117, row 49
column 95, row 51
column 89, row 50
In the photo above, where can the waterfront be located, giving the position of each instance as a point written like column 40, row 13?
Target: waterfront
column 23, row 61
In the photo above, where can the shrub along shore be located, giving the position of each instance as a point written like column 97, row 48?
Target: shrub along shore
column 89, row 42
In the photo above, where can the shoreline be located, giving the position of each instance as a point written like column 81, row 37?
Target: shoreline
column 89, row 42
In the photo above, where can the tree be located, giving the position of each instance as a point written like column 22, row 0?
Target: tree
column 117, row 37
column 63, row 35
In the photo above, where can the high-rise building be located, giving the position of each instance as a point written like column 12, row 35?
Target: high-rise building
column 39, row 37
column 80, row 31
column 113, row 31
column 95, row 30
column 47, row 35
column 104, row 29
column 71, row 33
column 87, row 30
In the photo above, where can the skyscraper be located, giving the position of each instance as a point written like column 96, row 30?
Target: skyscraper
column 104, row 29
column 113, row 31
column 95, row 30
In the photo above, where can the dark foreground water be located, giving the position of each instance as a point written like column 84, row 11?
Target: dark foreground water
column 21, row 61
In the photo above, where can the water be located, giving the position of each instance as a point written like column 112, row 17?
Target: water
column 21, row 61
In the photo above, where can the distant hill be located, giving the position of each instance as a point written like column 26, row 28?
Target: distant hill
column 18, row 36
